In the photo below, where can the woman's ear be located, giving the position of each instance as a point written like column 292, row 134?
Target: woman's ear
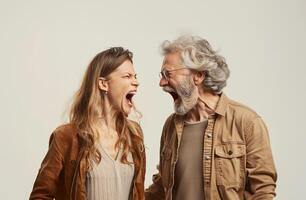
column 103, row 85
column 198, row 77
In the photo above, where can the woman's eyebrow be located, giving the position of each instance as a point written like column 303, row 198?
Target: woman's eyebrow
column 130, row 73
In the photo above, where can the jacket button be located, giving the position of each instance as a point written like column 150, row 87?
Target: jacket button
column 207, row 157
column 230, row 152
column 209, row 135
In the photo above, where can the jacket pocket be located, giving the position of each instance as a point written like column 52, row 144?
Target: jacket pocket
column 230, row 165
column 166, row 166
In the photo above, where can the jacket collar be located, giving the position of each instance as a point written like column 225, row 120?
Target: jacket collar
column 222, row 105
column 220, row 110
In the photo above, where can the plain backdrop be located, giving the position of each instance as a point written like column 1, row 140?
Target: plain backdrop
column 45, row 47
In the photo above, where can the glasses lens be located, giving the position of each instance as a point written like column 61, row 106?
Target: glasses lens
column 166, row 74
column 162, row 75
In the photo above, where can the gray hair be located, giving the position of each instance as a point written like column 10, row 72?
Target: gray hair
column 197, row 54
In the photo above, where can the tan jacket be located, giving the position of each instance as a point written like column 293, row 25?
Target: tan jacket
column 237, row 158
column 62, row 175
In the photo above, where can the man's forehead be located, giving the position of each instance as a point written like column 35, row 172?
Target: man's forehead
column 172, row 60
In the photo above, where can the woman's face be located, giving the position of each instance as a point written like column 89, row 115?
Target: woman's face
column 122, row 86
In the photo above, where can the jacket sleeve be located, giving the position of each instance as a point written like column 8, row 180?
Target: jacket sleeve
column 45, row 185
column 144, row 165
column 143, row 168
column 261, row 173
column 156, row 190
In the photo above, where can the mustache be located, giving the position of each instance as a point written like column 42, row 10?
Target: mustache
column 168, row 89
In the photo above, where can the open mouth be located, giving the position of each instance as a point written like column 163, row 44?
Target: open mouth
column 129, row 97
column 172, row 92
column 174, row 95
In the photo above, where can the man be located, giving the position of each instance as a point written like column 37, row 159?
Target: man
column 211, row 147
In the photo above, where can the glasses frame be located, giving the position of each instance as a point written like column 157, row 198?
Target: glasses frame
column 166, row 75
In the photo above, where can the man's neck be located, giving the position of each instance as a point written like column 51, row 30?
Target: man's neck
column 205, row 106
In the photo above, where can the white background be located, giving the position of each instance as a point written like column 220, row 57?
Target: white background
column 46, row 46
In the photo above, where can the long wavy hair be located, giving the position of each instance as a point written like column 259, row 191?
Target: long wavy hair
column 86, row 108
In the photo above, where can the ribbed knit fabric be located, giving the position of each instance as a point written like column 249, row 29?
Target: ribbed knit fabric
column 110, row 179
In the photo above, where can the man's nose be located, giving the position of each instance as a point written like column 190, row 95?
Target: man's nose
column 163, row 82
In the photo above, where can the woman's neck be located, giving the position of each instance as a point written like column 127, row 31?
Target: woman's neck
column 107, row 119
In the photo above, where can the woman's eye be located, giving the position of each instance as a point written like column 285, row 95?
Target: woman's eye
column 130, row 76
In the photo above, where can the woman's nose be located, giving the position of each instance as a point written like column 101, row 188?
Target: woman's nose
column 135, row 82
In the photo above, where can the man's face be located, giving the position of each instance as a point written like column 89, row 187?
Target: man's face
column 177, row 80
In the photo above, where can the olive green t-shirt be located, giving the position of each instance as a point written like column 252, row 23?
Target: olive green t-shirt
column 188, row 177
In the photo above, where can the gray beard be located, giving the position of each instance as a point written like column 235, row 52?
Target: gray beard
column 189, row 97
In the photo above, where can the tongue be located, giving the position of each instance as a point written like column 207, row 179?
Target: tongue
column 174, row 96
column 129, row 101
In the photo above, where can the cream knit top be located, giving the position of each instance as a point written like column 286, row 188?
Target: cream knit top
column 110, row 179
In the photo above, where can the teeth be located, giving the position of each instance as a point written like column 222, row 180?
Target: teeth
column 132, row 92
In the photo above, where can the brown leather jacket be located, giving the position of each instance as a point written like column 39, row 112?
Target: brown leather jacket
column 237, row 158
column 62, row 174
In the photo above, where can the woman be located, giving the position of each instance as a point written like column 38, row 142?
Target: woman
column 100, row 153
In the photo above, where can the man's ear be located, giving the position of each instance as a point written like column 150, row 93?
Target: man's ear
column 103, row 85
column 198, row 77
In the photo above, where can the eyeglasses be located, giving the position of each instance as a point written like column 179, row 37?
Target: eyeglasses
column 166, row 73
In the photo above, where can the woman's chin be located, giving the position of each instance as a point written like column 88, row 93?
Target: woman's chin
column 127, row 110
